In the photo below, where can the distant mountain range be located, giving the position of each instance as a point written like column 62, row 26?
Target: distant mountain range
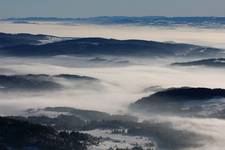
column 29, row 45
column 209, row 22
column 24, row 38
column 213, row 62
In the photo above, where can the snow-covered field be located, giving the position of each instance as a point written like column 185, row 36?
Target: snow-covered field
column 111, row 140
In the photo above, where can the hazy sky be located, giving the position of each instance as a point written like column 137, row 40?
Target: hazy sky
column 88, row 8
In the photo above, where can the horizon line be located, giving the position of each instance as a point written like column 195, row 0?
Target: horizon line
column 35, row 17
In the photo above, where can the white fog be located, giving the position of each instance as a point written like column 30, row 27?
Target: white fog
column 181, row 34
column 119, row 85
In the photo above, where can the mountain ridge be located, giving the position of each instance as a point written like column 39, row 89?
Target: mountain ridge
column 103, row 46
column 207, row 21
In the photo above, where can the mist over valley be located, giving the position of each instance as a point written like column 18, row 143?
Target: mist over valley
column 114, row 85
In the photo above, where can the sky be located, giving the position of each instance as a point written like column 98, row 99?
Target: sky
column 91, row 8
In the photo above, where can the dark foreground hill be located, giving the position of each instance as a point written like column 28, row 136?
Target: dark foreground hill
column 101, row 46
column 17, row 134
column 67, row 118
column 187, row 100
column 162, row 133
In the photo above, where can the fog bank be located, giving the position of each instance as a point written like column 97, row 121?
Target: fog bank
column 192, row 35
